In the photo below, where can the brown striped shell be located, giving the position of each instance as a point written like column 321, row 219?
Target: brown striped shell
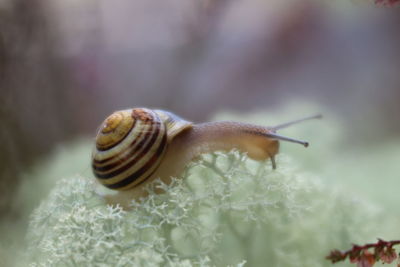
column 131, row 144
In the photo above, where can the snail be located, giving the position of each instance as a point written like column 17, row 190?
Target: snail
column 135, row 146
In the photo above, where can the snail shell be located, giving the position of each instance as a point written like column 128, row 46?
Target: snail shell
column 131, row 144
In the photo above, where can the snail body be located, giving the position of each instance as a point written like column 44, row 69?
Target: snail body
column 135, row 146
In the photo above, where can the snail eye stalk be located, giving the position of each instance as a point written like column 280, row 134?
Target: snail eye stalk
column 284, row 138
column 287, row 124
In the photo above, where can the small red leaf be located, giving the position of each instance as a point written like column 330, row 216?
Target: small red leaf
column 366, row 259
column 388, row 255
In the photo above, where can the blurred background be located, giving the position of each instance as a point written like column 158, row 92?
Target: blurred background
column 66, row 65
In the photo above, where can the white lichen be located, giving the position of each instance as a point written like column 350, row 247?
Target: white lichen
column 225, row 210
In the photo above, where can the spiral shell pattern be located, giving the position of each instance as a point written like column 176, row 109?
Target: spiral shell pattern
column 130, row 146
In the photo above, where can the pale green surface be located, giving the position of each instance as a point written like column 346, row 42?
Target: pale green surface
column 65, row 161
column 227, row 209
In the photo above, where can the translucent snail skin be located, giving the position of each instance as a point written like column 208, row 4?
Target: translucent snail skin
column 135, row 146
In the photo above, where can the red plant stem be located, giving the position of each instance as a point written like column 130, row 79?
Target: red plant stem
column 381, row 242
column 356, row 249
